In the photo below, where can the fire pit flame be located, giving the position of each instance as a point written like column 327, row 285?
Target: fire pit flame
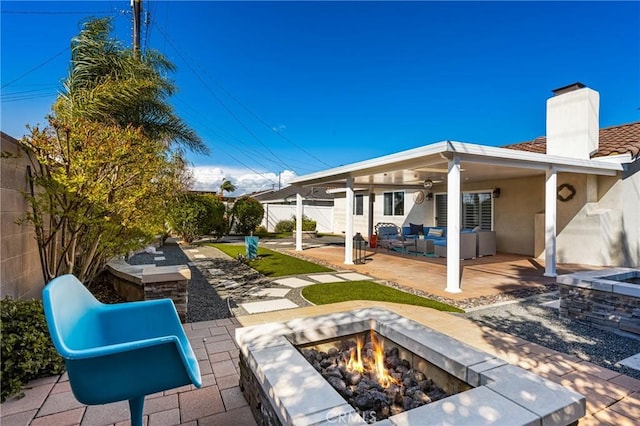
column 373, row 364
column 355, row 359
column 377, row 382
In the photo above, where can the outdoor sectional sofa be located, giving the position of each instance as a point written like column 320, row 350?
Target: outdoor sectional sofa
column 473, row 243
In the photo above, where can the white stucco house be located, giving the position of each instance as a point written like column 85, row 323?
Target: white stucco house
column 570, row 197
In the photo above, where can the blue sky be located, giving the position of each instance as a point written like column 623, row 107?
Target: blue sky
column 289, row 88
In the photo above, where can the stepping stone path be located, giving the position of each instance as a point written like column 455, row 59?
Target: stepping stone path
column 247, row 291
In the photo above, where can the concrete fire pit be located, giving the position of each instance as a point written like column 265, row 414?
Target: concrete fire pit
column 283, row 388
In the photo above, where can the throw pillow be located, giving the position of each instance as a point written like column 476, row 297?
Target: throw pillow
column 415, row 229
column 433, row 232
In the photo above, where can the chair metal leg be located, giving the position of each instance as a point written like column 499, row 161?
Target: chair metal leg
column 136, row 406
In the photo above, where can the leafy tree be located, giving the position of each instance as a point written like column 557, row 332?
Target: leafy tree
column 248, row 213
column 99, row 191
column 109, row 160
column 194, row 215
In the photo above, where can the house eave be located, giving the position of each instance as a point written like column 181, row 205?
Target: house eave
column 441, row 152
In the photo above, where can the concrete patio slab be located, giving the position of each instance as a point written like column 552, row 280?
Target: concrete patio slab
column 326, row 278
column 294, row 282
column 268, row 306
column 353, row 276
column 272, row 292
column 632, row 362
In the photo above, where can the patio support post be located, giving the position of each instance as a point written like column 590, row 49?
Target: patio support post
column 348, row 234
column 550, row 212
column 298, row 222
column 371, row 198
column 453, row 226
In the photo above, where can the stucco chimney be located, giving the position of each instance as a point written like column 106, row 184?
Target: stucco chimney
column 572, row 121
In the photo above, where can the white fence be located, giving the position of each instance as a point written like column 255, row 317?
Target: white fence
column 274, row 213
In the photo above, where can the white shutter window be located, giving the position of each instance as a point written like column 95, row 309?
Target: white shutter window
column 486, row 211
column 441, row 210
column 477, row 210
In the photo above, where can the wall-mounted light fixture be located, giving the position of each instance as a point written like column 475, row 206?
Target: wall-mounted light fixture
column 429, row 196
column 496, row 193
column 428, row 183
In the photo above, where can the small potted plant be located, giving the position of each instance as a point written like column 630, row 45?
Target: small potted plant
column 421, row 235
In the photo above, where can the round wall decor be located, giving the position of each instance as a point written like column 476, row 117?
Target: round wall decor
column 418, row 197
column 566, row 192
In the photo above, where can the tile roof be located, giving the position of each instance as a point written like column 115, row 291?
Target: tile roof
column 613, row 141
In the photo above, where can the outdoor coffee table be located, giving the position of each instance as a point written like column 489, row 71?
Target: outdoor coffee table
column 424, row 246
column 404, row 245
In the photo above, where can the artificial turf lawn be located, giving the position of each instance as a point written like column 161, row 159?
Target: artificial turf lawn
column 271, row 263
column 322, row 294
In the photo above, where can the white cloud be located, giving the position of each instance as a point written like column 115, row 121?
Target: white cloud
column 209, row 178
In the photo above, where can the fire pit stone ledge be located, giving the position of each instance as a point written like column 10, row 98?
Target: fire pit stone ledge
column 284, row 389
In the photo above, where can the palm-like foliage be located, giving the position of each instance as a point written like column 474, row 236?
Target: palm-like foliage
column 109, row 84
column 227, row 186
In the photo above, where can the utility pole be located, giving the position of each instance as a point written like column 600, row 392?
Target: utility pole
column 137, row 9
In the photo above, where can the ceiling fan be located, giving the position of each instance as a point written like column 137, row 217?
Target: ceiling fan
column 428, row 182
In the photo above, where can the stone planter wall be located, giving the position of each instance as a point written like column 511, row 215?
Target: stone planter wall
column 149, row 282
column 603, row 309
column 597, row 298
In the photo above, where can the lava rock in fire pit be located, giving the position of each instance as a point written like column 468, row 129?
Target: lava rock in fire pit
column 339, row 385
column 373, row 399
column 404, row 387
column 332, row 371
column 352, row 378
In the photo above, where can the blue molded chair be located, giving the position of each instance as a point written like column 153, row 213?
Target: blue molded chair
column 118, row 352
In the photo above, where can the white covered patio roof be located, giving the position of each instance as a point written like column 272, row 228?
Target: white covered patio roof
column 452, row 163
column 411, row 167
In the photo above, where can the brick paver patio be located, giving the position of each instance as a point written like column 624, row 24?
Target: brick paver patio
column 612, row 398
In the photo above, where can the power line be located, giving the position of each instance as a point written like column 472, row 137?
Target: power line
column 51, row 12
column 36, row 67
column 28, row 94
column 270, row 127
column 231, row 155
column 229, row 111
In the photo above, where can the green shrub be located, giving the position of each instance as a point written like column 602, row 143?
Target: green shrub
column 194, row 215
column 27, row 350
column 247, row 214
column 290, row 225
column 285, row 226
column 308, row 224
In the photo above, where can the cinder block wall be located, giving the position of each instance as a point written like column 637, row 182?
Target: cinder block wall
column 20, row 270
